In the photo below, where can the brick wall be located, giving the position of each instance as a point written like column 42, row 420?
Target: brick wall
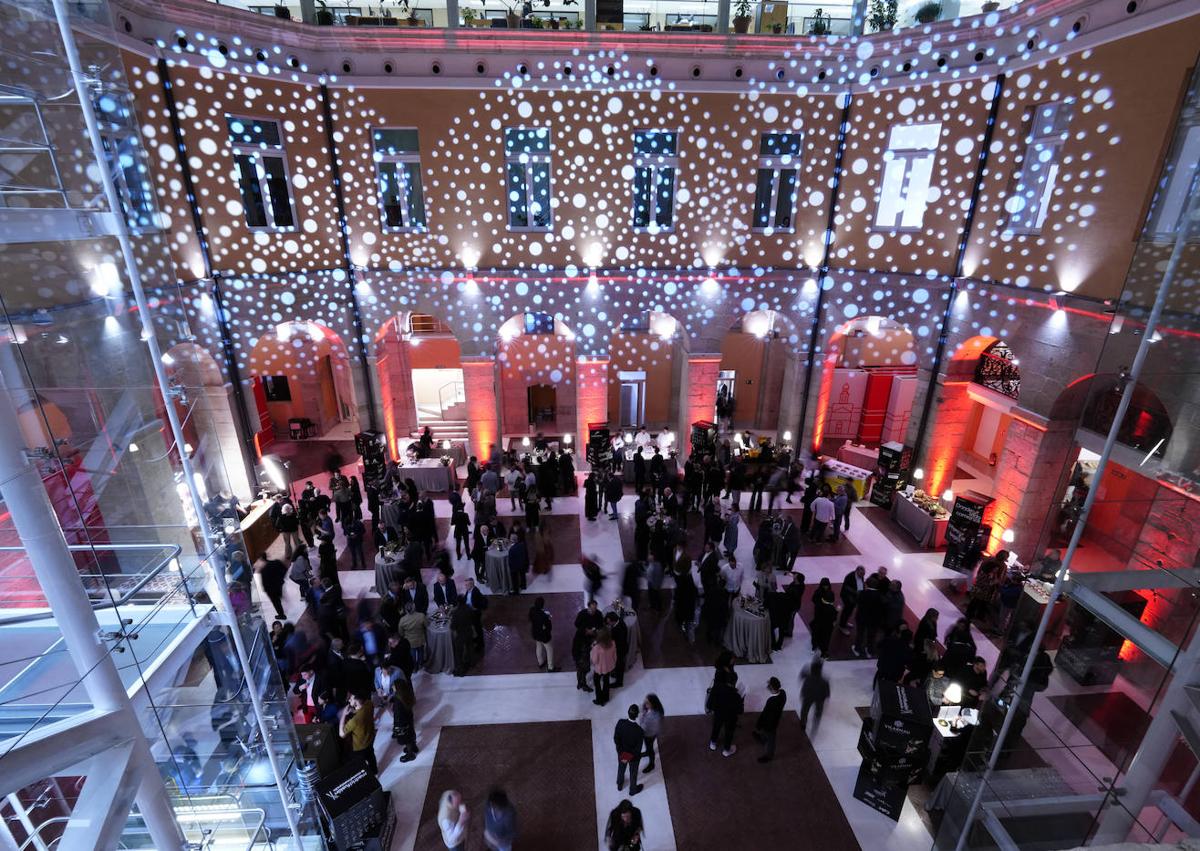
column 479, row 382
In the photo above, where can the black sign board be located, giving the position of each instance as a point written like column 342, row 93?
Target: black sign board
column 599, row 445
column 352, row 800
column 966, row 519
column 874, row 791
column 890, row 473
column 372, row 446
column 704, row 437
column 902, row 717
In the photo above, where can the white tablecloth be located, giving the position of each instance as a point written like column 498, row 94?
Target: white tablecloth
column 858, row 456
column 429, row 474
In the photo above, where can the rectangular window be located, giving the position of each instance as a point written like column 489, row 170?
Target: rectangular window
column 398, row 174
column 527, row 164
column 126, row 159
column 262, row 174
column 907, row 173
column 1180, row 179
column 775, row 192
column 655, row 162
column 1032, row 186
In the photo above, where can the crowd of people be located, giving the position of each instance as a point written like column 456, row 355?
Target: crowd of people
column 349, row 673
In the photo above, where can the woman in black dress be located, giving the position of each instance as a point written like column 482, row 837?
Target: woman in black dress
column 824, row 614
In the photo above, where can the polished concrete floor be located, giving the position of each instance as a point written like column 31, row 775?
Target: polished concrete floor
column 548, row 700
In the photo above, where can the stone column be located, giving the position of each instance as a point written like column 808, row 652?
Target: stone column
column 592, row 396
column 1028, row 477
column 395, row 388
column 483, row 421
column 947, row 431
column 701, row 394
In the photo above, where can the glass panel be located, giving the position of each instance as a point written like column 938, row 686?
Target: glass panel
column 389, row 195
column 762, row 197
column 780, row 144
column 641, row 197
column 518, row 202
column 252, row 197
column 785, row 200
column 658, row 142
column 540, row 202
column 277, row 185
column 664, row 214
column 416, row 197
column 527, row 140
column 393, row 141
column 252, row 131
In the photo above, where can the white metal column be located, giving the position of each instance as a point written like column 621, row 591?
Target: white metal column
column 38, row 528
column 81, row 81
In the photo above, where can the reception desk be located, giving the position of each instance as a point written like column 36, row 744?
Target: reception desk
column 258, row 533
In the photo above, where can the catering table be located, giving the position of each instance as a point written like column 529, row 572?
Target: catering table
column 387, row 571
column 748, row 635
column 927, row 530
column 499, row 577
column 840, row 473
column 430, row 474
column 858, row 456
column 457, row 451
column 439, row 647
column 944, row 739
column 631, row 625
column 258, row 533
column 669, row 464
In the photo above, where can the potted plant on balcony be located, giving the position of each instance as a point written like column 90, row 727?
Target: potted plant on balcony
column 324, row 17
column 929, row 13
column 741, row 16
column 468, row 16
column 512, row 18
column 881, row 15
column 820, row 23
column 282, row 11
column 991, row 6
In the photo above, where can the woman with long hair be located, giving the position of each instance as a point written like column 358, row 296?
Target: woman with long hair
column 604, row 661
column 651, row 720
column 824, row 614
column 624, row 829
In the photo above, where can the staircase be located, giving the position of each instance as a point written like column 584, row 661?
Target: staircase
column 447, row 418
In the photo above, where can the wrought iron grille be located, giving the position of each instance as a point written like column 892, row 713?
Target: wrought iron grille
column 997, row 370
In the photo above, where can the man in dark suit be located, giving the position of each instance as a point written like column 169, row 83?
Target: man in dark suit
column 629, row 739
column 620, row 635
column 359, row 676
column 768, row 720
column 477, row 602
column 852, row 586
column 445, row 592
column 589, row 619
column 415, row 594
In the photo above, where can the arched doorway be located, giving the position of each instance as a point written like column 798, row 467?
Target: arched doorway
column 868, row 382
column 206, row 414
column 646, row 364
column 758, row 360
column 536, row 366
column 302, row 378
column 419, row 361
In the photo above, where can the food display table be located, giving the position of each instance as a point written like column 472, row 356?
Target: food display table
column 748, row 634
column 927, row 530
column 858, row 456
column 669, row 464
column 840, row 473
column 430, row 474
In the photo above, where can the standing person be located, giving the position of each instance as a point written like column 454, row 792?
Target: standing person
column 814, row 691
column 453, row 820
column 581, row 647
column 732, row 574
column 870, row 616
column 356, row 726
column 461, row 522
column 499, row 821
column 477, row 602
column 654, row 581
column 823, row 512
column 852, row 586
column 768, row 720
column 355, row 531
column 614, row 489
column 624, row 829
column 824, row 614
column 725, row 704
column 542, row 626
column 462, row 636
column 841, row 511
column 591, row 497
column 685, row 603
column 927, row 629
column 620, row 635
column 730, row 538
column 629, row 740
column 394, row 689
column 273, row 574
column 651, row 720
column 604, row 660
column 288, row 524
column 412, row 627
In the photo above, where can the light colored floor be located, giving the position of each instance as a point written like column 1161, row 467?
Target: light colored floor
column 444, row 700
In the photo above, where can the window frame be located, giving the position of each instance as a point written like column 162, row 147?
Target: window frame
column 402, row 159
column 256, row 153
column 113, row 134
column 526, row 159
column 776, row 164
column 1045, row 185
column 908, row 155
column 1175, row 185
column 655, row 163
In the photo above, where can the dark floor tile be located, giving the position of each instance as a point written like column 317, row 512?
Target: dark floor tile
column 508, row 647
column 545, row 768
column 663, row 644
column 786, row 803
column 839, row 645
column 898, row 537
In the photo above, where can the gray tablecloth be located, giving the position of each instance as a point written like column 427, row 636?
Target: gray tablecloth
column 430, row 474
column 915, row 520
column 439, row 649
column 385, row 573
column 748, row 636
column 499, row 578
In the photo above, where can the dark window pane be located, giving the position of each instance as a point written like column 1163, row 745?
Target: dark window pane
column 250, row 131
column 252, row 199
column 785, row 201
column 540, row 202
column 518, row 202
column 389, row 196
column 666, row 197
column 780, row 145
column 655, row 142
column 277, row 185
column 762, row 197
column 416, row 197
column 527, row 140
column 391, row 141
column 641, row 197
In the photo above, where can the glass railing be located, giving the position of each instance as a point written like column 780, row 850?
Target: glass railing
column 835, row 18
